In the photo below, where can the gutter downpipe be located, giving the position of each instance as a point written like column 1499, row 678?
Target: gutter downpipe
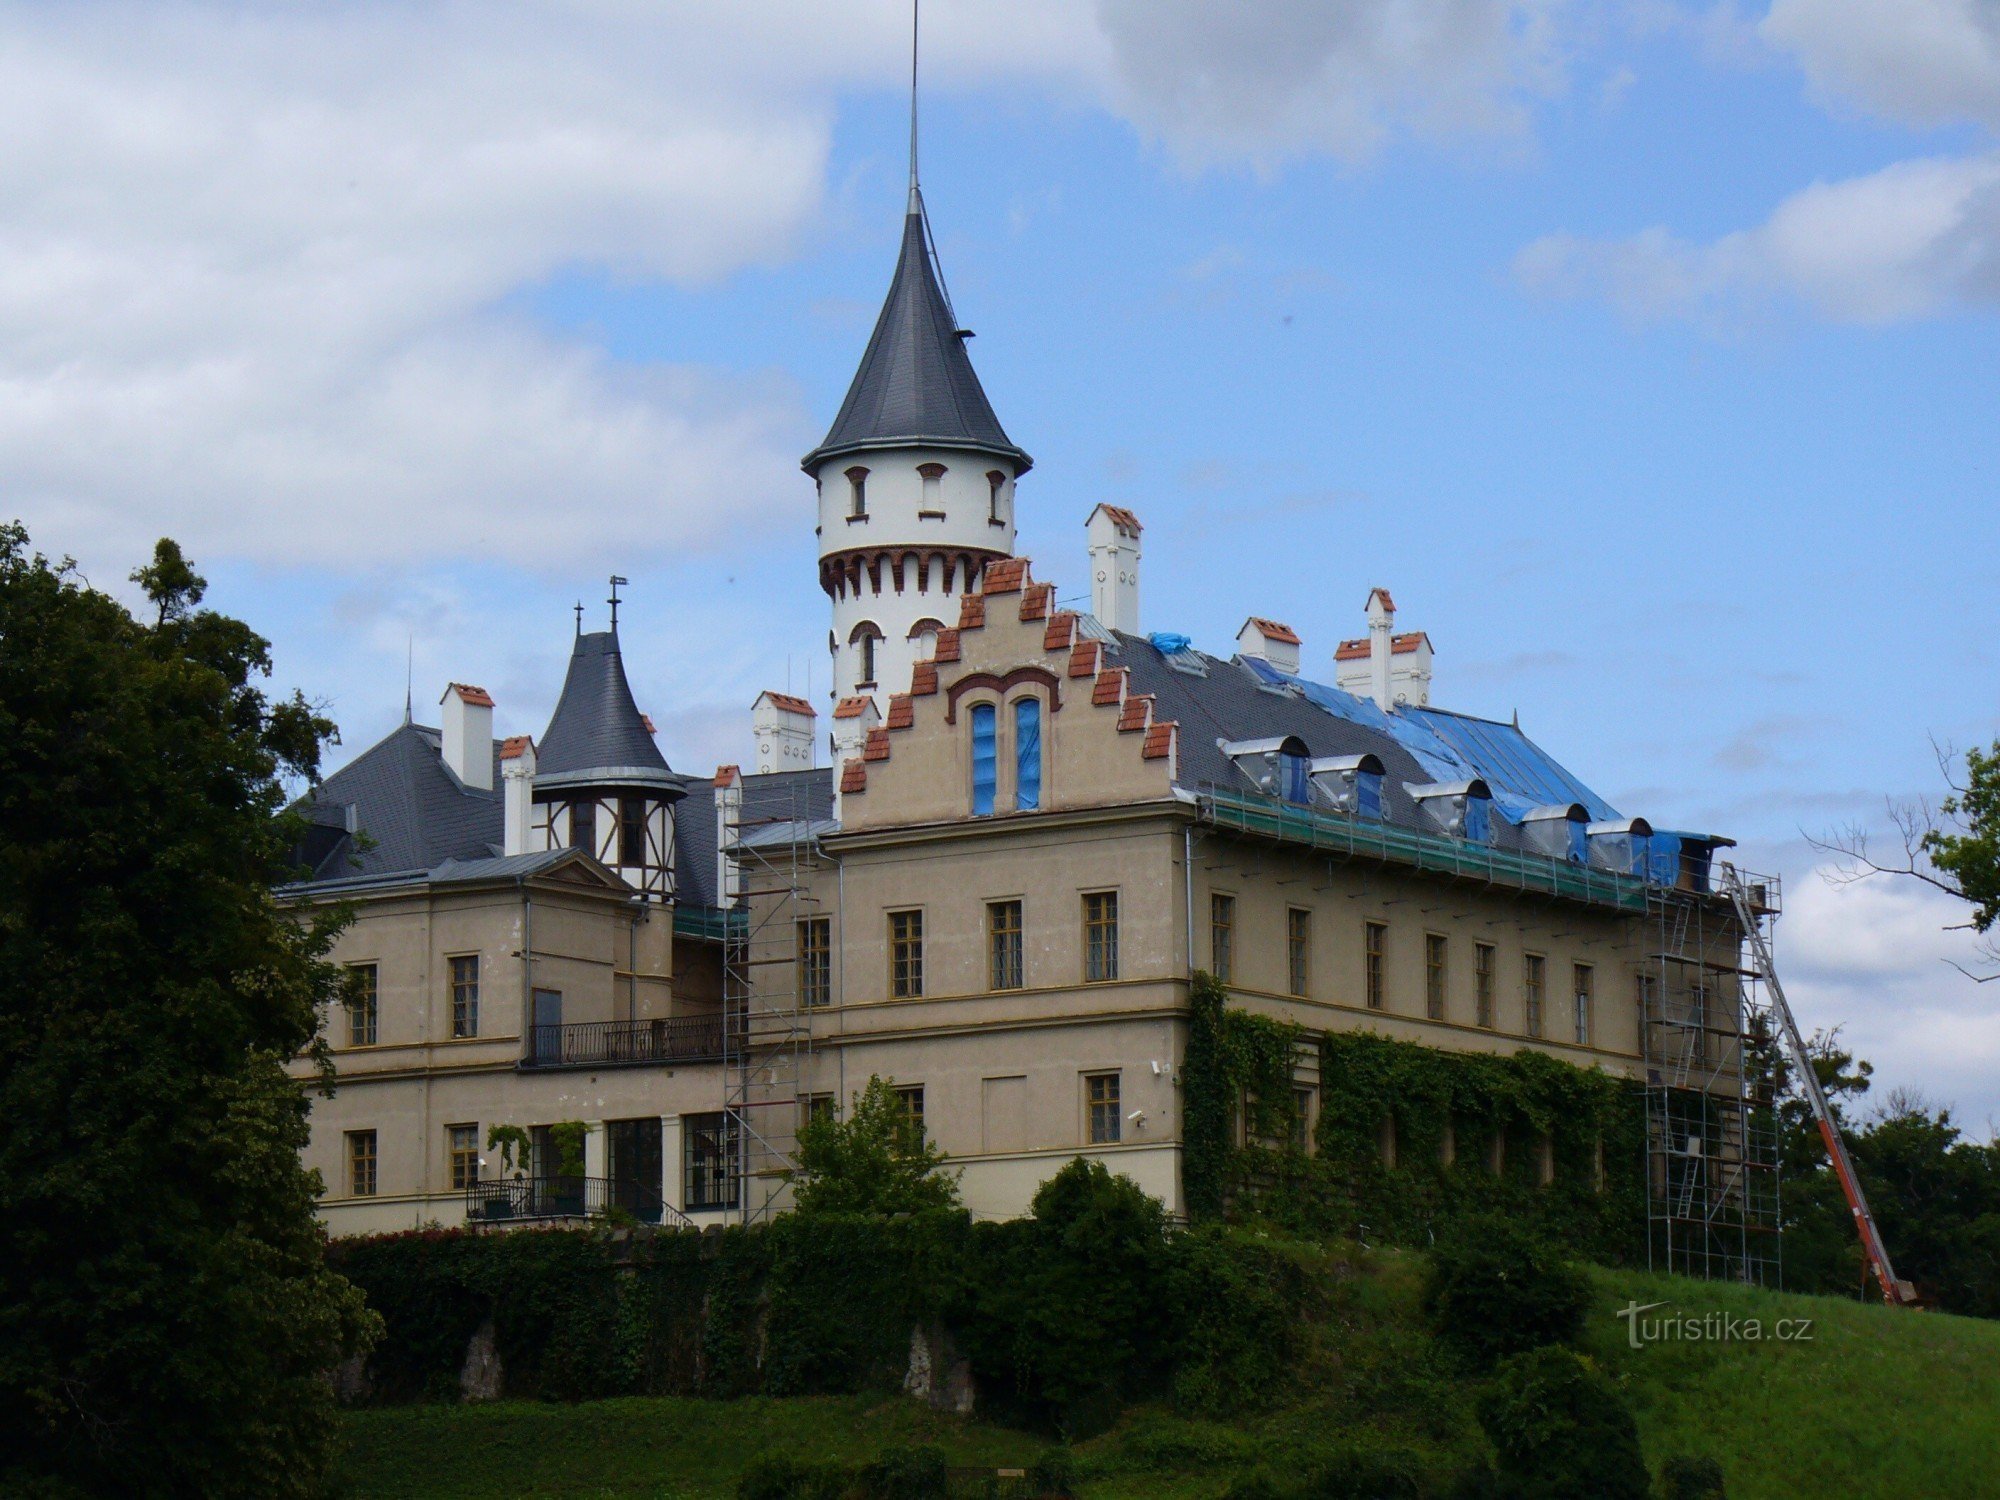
column 1187, row 898
column 527, row 971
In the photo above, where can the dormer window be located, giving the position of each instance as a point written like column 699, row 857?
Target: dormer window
column 932, row 504
column 1278, row 767
column 857, row 493
column 995, row 482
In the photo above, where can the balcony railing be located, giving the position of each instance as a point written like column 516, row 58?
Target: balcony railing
column 518, row 1199
column 612, row 1044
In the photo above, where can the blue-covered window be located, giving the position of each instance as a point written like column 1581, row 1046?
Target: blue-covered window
column 985, row 758
column 1479, row 820
column 1579, row 843
column 1294, row 778
column 1368, row 794
column 1027, row 753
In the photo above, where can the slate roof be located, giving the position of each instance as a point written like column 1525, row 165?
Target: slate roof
column 415, row 812
column 597, row 733
column 916, row 383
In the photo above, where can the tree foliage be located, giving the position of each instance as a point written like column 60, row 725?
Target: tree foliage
column 166, row 1315
column 1495, row 1288
column 876, row 1161
column 1561, row 1431
column 1966, row 847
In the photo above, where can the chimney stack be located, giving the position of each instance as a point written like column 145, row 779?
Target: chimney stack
column 728, row 818
column 468, row 734
column 517, row 803
column 783, row 728
column 1114, row 568
column 1270, row 641
column 1381, row 645
column 1394, row 670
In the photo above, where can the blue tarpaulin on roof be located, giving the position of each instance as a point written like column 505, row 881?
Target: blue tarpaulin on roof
column 1455, row 747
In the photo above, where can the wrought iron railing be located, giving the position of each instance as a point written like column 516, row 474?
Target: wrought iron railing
column 516, row 1199
column 601, row 1044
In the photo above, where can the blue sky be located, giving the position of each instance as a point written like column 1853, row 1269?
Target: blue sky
column 1646, row 351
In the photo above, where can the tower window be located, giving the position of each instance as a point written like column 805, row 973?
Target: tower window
column 866, row 636
column 985, row 758
column 583, row 826
column 857, row 491
column 632, row 832
column 933, row 501
column 1027, row 753
column 995, row 482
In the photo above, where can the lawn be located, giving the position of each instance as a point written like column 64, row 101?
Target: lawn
column 1875, row 1403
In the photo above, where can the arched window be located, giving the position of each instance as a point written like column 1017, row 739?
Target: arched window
column 933, row 501
column 1027, row 753
column 985, row 758
column 995, row 481
column 857, row 491
column 866, row 638
column 925, row 634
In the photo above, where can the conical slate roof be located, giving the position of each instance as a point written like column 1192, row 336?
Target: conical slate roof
column 916, row 385
column 597, row 734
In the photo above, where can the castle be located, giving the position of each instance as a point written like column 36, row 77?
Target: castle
column 1030, row 829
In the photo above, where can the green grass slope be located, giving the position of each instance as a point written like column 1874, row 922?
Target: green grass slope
column 1875, row 1403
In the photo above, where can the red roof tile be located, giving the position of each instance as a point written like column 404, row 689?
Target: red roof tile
column 902, row 712
column 788, row 703
column 1035, row 601
column 877, row 746
column 853, row 777
column 971, row 614
column 1123, row 519
column 923, row 679
column 1160, row 740
column 1275, row 630
column 1109, row 687
column 727, row 775
column 1004, row 575
column 1387, row 602
column 947, row 645
column 1083, row 659
column 478, row 697
column 1138, row 711
column 851, row 708
column 515, row 745
column 647, row 720
column 1399, row 645
column 1057, row 635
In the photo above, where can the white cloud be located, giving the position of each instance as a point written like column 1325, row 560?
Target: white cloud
column 1287, row 78
column 1926, row 62
column 1912, row 240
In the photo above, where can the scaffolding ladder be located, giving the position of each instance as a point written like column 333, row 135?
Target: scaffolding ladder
column 1712, row 1206
column 1744, row 899
column 767, row 1038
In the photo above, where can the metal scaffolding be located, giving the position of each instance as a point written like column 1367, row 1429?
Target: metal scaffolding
column 1711, row 1118
column 767, row 1032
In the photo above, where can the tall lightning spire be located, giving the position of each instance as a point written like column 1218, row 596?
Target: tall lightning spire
column 913, row 105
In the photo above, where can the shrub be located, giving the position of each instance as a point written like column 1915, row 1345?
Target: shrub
column 1235, row 1307
column 1560, row 1431
column 1053, row 1473
column 916, row 1473
column 1689, row 1477
column 1495, row 1289
column 792, row 1479
column 1364, row 1474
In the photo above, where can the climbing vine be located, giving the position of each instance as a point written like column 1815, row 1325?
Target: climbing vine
column 1236, row 1061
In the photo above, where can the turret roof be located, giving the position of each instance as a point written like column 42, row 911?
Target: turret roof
column 597, row 733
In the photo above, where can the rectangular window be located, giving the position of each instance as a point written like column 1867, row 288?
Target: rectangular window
column 1375, row 944
column 1298, row 948
column 1222, row 937
column 1100, row 1091
column 816, row 961
column 709, row 1160
column 912, row 1100
column 465, row 995
column 583, row 826
column 1027, row 753
column 985, row 758
column 462, row 1150
column 361, row 1163
column 364, row 1006
column 1534, row 990
column 1003, row 945
column 1482, row 982
column 632, row 832
column 1434, row 976
column 815, row 1109
column 1586, row 985
column 1100, row 937
column 906, row 955
column 1302, row 1120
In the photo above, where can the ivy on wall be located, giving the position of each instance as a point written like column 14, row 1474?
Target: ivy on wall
column 1410, row 1137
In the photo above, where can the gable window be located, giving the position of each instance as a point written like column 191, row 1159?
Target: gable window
column 462, row 1151
column 361, row 1163
column 1534, row 989
column 1298, row 948
column 1027, row 753
column 1585, row 987
column 1222, row 937
column 995, row 482
column 632, row 832
column 906, row 955
column 709, row 1167
column 1434, row 976
column 932, row 504
column 985, row 758
column 583, row 826
column 1100, row 936
column 816, row 961
column 1003, row 943
column 857, row 492
column 1374, row 945
column 1482, row 983
column 1101, row 1097
column 364, row 1006
column 465, row 995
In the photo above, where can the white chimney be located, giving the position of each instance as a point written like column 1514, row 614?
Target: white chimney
column 468, row 734
column 1270, row 641
column 783, row 729
column 1394, row 670
column 1381, row 644
column 1114, row 567
column 517, row 801
column 852, row 719
column 728, row 816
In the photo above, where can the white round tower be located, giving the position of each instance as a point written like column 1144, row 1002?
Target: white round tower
column 916, row 483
